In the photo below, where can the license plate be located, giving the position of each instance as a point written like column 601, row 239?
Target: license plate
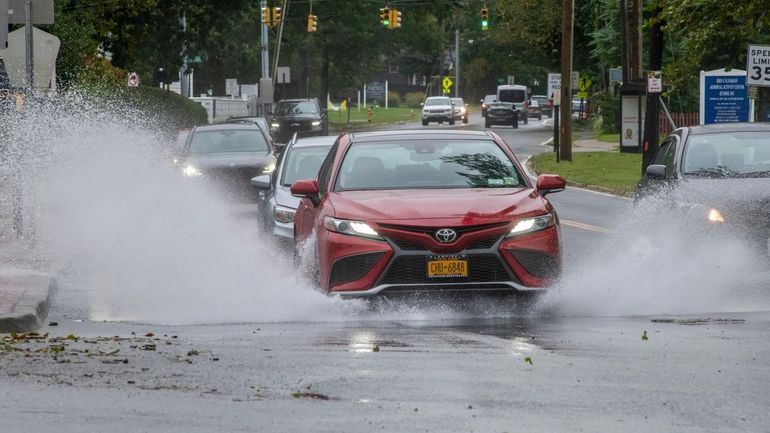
column 447, row 266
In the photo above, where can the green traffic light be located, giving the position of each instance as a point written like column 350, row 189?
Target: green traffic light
column 484, row 23
column 385, row 22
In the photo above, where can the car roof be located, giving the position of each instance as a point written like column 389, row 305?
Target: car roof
column 322, row 140
column 418, row 134
column 227, row 126
column 728, row 127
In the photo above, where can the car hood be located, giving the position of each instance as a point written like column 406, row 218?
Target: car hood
column 298, row 117
column 437, row 206
column 437, row 107
column 724, row 192
column 231, row 159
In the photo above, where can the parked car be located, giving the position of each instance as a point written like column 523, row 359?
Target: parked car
column 546, row 105
column 502, row 113
column 437, row 109
column 300, row 160
column 533, row 109
column 460, row 109
column 301, row 116
column 485, row 104
column 715, row 179
column 405, row 211
column 227, row 155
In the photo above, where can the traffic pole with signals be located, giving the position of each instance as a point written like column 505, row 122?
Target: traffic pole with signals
column 484, row 18
column 312, row 23
column 385, row 16
column 267, row 16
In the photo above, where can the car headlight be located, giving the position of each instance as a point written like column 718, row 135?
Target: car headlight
column 268, row 168
column 349, row 227
column 531, row 225
column 284, row 214
column 191, row 170
column 715, row 216
column 462, row 110
column 316, row 123
column 275, row 125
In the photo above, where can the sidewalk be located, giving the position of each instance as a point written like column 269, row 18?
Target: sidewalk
column 25, row 288
column 588, row 145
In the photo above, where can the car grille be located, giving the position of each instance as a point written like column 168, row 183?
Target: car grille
column 431, row 230
column 301, row 126
column 539, row 264
column 236, row 174
column 436, row 111
column 483, row 244
column 412, row 269
column 352, row 268
column 404, row 245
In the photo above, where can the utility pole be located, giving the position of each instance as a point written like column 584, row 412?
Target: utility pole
column 457, row 60
column 265, row 47
column 623, row 22
column 636, row 40
column 184, row 73
column 285, row 11
column 565, row 132
column 28, row 41
column 651, row 133
column 4, row 6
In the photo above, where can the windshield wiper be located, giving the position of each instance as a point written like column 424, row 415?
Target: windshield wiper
column 761, row 173
column 719, row 171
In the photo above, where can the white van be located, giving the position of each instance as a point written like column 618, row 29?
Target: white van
column 517, row 95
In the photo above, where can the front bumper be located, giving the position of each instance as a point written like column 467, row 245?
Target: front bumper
column 362, row 267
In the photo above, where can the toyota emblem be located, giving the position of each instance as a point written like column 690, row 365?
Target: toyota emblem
column 446, row 236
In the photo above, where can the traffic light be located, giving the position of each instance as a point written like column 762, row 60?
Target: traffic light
column 276, row 16
column 385, row 16
column 484, row 19
column 267, row 16
column 312, row 23
column 395, row 19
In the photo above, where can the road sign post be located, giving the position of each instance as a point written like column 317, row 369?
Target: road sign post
column 758, row 66
column 133, row 79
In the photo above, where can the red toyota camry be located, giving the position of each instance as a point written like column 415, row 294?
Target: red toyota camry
column 427, row 210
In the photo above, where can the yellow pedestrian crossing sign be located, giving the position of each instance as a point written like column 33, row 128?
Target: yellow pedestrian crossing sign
column 446, row 83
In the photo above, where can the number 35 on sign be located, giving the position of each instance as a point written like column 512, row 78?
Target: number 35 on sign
column 758, row 65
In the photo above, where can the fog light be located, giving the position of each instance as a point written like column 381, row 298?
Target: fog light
column 715, row 216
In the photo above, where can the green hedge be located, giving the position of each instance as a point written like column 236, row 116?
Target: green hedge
column 414, row 99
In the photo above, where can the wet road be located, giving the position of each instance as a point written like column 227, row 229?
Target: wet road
column 254, row 351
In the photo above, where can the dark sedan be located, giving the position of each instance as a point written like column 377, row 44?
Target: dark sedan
column 502, row 113
column 228, row 155
column 303, row 117
column 716, row 179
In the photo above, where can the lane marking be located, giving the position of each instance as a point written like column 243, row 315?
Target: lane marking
column 583, row 226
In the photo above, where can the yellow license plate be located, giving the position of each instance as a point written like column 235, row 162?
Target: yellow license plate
column 445, row 267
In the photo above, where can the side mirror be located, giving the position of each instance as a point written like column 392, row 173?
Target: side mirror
column 261, row 182
column 306, row 188
column 548, row 183
column 656, row 171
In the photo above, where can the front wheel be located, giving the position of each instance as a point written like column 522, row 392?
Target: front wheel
column 452, row 122
column 487, row 124
column 465, row 119
column 424, row 123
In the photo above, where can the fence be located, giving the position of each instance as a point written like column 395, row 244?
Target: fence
column 680, row 119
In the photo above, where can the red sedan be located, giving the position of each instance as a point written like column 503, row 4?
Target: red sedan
column 427, row 210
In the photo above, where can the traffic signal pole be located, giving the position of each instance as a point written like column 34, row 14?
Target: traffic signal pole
column 652, row 112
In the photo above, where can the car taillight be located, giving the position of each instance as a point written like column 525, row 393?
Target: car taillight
column 526, row 104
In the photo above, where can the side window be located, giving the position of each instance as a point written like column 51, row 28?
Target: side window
column 326, row 170
column 663, row 151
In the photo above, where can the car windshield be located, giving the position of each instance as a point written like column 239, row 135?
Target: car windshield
column 291, row 108
column 458, row 102
column 437, row 101
column 728, row 154
column 427, row 164
column 303, row 163
column 232, row 140
column 490, row 98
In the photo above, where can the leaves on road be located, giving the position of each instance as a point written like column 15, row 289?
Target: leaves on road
column 528, row 360
column 644, row 336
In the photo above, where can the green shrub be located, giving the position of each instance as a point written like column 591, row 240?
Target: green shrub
column 607, row 117
column 394, row 99
column 414, row 99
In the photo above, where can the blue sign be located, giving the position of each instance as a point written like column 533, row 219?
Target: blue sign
column 725, row 99
column 375, row 90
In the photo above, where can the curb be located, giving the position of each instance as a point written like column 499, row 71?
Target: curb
column 31, row 310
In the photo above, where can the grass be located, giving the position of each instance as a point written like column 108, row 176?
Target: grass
column 380, row 116
column 612, row 172
column 609, row 138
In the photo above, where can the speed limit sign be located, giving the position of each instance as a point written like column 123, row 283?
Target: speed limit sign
column 758, row 65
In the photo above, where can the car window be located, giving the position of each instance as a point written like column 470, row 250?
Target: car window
column 233, row 140
column 437, row 101
column 427, row 164
column 723, row 154
column 292, row 108
column 303, row 163
column 324, row 173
